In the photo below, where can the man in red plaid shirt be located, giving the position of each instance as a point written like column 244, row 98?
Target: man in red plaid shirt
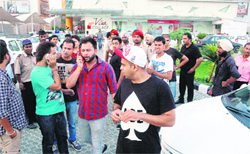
column 92, row 76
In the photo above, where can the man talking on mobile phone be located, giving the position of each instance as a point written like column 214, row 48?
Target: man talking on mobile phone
column 49, row 97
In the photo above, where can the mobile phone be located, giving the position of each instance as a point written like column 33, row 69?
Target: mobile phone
column 47, row 57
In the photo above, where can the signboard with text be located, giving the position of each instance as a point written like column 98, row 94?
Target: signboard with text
column 18, row 7
column 242, row 8
column 92, row 24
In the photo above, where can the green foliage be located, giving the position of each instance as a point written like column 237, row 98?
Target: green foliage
column 194, row 42
column 241, row 50
column 59, row 28
column 209, row 52
column 62, row 28
column 177, row 35
column 203, row 73
column 201, row 35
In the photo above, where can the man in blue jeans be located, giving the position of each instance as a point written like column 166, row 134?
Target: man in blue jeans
column 64, row 65
column 99, row 38
column 49, row 97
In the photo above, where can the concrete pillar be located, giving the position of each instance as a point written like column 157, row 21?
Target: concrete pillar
column 69, row 23
column 68, row 20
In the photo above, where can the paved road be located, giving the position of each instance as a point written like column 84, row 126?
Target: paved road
column 32, row 139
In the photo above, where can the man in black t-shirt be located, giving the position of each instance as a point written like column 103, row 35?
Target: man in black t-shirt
column 174, row 54
column 115, row 60
column 142, row 104
column 65, row 64
column 188, row 70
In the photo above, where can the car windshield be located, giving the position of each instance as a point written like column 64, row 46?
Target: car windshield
column 20, row 44
column 61, row 36
column 34, row 39
column 242, row 38
column 238, row 104
column 13, row 45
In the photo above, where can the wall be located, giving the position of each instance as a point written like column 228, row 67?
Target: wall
column 232, row 27
column 157, row 8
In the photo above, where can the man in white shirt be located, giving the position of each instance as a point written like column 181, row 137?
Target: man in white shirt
column 161, row 64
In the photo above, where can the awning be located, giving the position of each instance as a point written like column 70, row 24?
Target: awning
column 49, row 20
column 31, row 18
column 183, row 18
column 5, row 16
column 84, row 11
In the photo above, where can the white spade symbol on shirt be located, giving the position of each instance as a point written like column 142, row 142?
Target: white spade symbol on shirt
column 133, row 103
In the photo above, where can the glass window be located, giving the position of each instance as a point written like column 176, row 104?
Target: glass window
column 20, row 44
column 13, row 45
column 34, row 39
column 238, row 104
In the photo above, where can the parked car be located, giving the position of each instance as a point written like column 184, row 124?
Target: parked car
column 14, row 46
column 61, row 38
column 213, row 40
column 216, row 125
column 241, row 39
column 35, row 43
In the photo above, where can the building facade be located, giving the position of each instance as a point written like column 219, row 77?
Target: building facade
column 155, row 16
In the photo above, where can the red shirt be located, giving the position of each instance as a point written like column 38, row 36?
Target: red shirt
column 92, row 89
column 74, row 55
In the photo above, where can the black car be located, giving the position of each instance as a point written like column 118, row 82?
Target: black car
column 213, row 40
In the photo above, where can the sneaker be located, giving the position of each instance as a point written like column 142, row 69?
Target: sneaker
column 75, row 145
column 105, row 148
column 54, row 149
column 32, row 126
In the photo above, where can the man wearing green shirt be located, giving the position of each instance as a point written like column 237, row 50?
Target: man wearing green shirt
column 49, row 97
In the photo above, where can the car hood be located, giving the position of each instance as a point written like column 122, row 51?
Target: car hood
column 206, row 126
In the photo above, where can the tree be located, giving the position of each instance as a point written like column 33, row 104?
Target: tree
column 209, row 52
column 177, row 35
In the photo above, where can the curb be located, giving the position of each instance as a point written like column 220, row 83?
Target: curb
column 197, row 86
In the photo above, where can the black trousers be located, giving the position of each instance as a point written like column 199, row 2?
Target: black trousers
column 186, row 80
column 237, row 84
column 29, row 101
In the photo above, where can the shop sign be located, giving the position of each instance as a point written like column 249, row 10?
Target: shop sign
column 242, row 8
column 99, row 23
column 164, row 21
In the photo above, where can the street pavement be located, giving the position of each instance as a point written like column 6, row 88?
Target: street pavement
column 32, row 139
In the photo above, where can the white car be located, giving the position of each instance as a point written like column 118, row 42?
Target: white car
column 217, row 125
column 241, row 39
column 15, row 46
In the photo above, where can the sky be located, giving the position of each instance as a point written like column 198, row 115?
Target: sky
column 55, row 4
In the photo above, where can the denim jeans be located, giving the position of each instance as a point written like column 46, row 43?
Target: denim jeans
column 92, row 132
column 50, row 125
column 71, row 108
column 99, row 43
column 172, row 86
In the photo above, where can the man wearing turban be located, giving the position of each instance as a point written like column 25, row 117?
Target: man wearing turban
column 226, row 72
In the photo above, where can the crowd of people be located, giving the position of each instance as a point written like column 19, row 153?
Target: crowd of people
column 140, row 76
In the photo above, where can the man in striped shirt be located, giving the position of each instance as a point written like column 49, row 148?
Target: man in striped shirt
column 92, row 76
